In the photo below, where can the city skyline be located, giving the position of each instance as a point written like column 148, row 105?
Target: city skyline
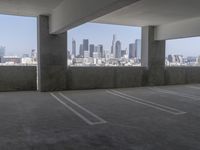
column 115, row 48
column 24, row 36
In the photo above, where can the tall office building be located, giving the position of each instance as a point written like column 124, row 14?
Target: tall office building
column 138, row 48
column 91, row 50
column 123, row 53
column 85, row 45
column 81, row 51
column 132, row 50
column 100, row 50
column 118, row 49
column 113, row 44
column 74, row 48
column 2, row 53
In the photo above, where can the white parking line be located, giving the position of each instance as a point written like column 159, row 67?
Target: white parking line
column 195, row 98
column 101, row 121
column 146, row 103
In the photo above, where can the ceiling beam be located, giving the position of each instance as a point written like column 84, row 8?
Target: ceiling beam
column 72, row 13
column 180, row 29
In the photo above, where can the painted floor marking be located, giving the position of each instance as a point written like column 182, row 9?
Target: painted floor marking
column 195, row 98
column 101, row 121
column 146, row 103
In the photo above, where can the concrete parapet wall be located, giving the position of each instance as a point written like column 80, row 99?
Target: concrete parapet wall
column 182, row 75
column 104, row 77
column 23, row 78
column 18, row 78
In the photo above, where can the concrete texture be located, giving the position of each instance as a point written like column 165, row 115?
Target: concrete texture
column 21, row 78
column 182, row 75
column 37, row 121
column 153, row 56
column 18, row 78
column 52, row 60
column 104, row 77
column 71, row 13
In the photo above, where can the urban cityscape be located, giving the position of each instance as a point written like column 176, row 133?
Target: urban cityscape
column 88, row 54
column 25, row 59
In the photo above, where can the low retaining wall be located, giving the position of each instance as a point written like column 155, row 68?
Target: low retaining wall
column 18, row 78
column 104, row 77
column 24, row 78
column 182, row 75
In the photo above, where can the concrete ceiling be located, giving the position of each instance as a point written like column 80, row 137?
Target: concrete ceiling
column 153, row 12
column 28, row 7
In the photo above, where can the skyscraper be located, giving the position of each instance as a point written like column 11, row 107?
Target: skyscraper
column 138, row 48
column 118, row 49
column 91, row 50
column 85, row 45
column 74, row 48
column 81, row 51
column 113, row 44
column 132, row 50
column 100, row 50
column 2, row 53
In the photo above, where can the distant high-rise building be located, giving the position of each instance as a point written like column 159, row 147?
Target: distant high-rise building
column 74, row 47
column 25, row 55
column 132, row 50
column 81, row 51
column 123, row 53
column 113, row 44
column 86, row 54
column 100, row 50
column 85, row 45
column 34, row 55
column 138, row 48
column 118, row 49
column 91, row 50
column 2, row 53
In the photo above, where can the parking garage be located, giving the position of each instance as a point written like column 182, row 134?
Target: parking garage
column 54, row 106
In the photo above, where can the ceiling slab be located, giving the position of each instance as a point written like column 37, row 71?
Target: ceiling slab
column 28, row 7
column 153, row 12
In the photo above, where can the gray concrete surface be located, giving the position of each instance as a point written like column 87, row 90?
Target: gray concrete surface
column 104, row 77
column 22, row 78
column 18, row 78
column 153, row 56
column 52, row 60
column 38, row 121
column 182, row 75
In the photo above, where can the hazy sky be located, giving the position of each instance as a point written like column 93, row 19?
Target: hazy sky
column 19, row 36
column 103, row 34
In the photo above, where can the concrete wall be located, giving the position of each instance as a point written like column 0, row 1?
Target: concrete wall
column 182, row 75
column 17, row 78
column 104, row 77
column 124, row 77
column 22, row 78
column 180, row 29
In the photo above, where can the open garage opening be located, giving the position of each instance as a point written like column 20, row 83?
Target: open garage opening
column 95, row 44
column 18, row 40
column 183, row 52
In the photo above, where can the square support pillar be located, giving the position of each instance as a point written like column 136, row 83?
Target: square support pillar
column 52, row 58
column 153, row 56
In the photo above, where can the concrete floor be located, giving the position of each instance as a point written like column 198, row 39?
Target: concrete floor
column 146, row 118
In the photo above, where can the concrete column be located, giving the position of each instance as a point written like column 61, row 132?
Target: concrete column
column 52, row 58
column 153, row 56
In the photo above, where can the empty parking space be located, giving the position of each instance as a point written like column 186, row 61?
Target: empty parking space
column 126, row 119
